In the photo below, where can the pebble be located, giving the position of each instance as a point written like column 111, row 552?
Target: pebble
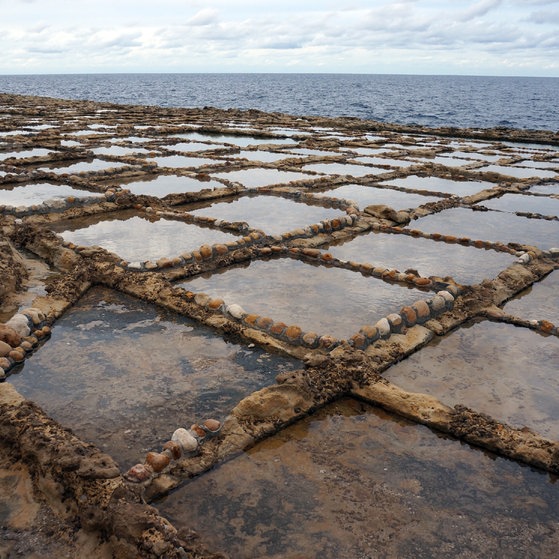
column 212, row 425
column 19, row 323
column 383, row 327
column 157, row 461
column 4, row 349
column 236, row 311
column 422, row 310
column 173, row 448
column 186, row 440
column 139, row 473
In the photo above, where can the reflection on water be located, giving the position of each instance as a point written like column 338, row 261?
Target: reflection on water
column 539, row 302
column 518, row 172
column 25, row 153
column 491, row 226
column 316, row 298
column 170, row 184
column 255, row 178
column 257, row 211
column 124, row 374
column 507, row 372
column 436, row 184
column 136, row 239
column 343, row 169
column 83, row 166
column 524, row 203
column 31, row 194
column 180, row 161
column 241, row 141
column 467, row 265
column 367, row 195
column 355, row 482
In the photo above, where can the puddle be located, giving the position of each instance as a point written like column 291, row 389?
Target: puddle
column 366, row 195
column 241, row 141
column 436, row 184
column 119, row 150
column 385, row 161
column 539, row 302
column 467, row 265
column 124, row 374
column 136, row 239
column 286, row 290
column 180, row 161
column 491, row 226
column 518, row 172
column 255, row 178
column 507, row 372
column 355, row 482
column 193, row 146
column 524, row 203
column 263, row 156
column 83, row 167
column 170, row 184
column 37, row 152
column 31, row 194
column 343, row 169
column 256, row 211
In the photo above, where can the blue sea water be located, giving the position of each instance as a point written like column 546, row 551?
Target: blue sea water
column 461, row 101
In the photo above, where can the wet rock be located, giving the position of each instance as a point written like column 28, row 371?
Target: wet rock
column 236, row 311
column 186, row 440
column 138, row 473
column 157, row 461
column 9, row 336
column 173, row 448
column 4, row 349
column 212, row 426
column 19, row 323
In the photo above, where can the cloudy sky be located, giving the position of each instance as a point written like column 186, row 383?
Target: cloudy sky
column 483, row 37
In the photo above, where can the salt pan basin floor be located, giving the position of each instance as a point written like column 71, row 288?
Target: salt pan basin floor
column 507, row 372
column 124, row 374
column 352, row 481
column 136, row 239
column 318, row 299
column 467, row 265
column 491, row 226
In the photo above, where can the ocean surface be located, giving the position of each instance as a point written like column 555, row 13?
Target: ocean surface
column 460, row 101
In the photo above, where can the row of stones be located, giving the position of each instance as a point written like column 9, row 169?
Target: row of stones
column 466, row 241
column 20, row 336
column 183, row 443
column 417, row 313
column 386, row 274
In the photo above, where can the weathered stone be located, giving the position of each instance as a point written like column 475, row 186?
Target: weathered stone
column 157, row 461
column 422, row 310
column 409, row 315
column 383, row 327
column 236, row 311
column 186, row 440
column 9, row 335
column 4, row 348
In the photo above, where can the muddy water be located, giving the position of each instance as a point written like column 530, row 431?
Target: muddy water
column 507, row 372
column 316, row 298
column 134, row 238
column 354, row 482
column 491, row 226
column 257, row 210
column 467, row 265
column 124, row 375
column 539, row 302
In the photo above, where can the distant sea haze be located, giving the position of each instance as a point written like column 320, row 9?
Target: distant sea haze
column 459, row 101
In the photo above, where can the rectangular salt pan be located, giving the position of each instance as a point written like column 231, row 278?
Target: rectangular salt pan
column 257, row 211
column 491, row 226
column 124, row 374
column 136, row 239
column 353, row 481
column 316, row 298
column 31, row 194
column 497, row 369
column 466, row 265
column 436, row 184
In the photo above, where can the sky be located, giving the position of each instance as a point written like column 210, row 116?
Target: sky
column 483, row 37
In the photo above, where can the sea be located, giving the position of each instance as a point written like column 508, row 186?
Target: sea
column 449, row 101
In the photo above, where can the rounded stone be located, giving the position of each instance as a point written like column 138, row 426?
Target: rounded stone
column 422, row 310
column 5, row 363
column 370, row 332
column 327, row 342
column 383, row 327
column 198, row 431
column 26, row 346
column 202, row 299
column 173, row 448
column 212, row 425
column 409, row 315
column 310, row 339
column 359, row 341
column 236, row 311
column 17, row 354
column 277, row 328
column 4, row 349
column 186, row 440
column 157, row 461
column 422, row 282
column 19, row 323
column 293, row 333
column 2, row 374
column 446, row 296
column 396, row 322
column 263, row 322
column 138, row 473
column 206, row 251
column 438, row 303
column 215, row 304
column 546, row 326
